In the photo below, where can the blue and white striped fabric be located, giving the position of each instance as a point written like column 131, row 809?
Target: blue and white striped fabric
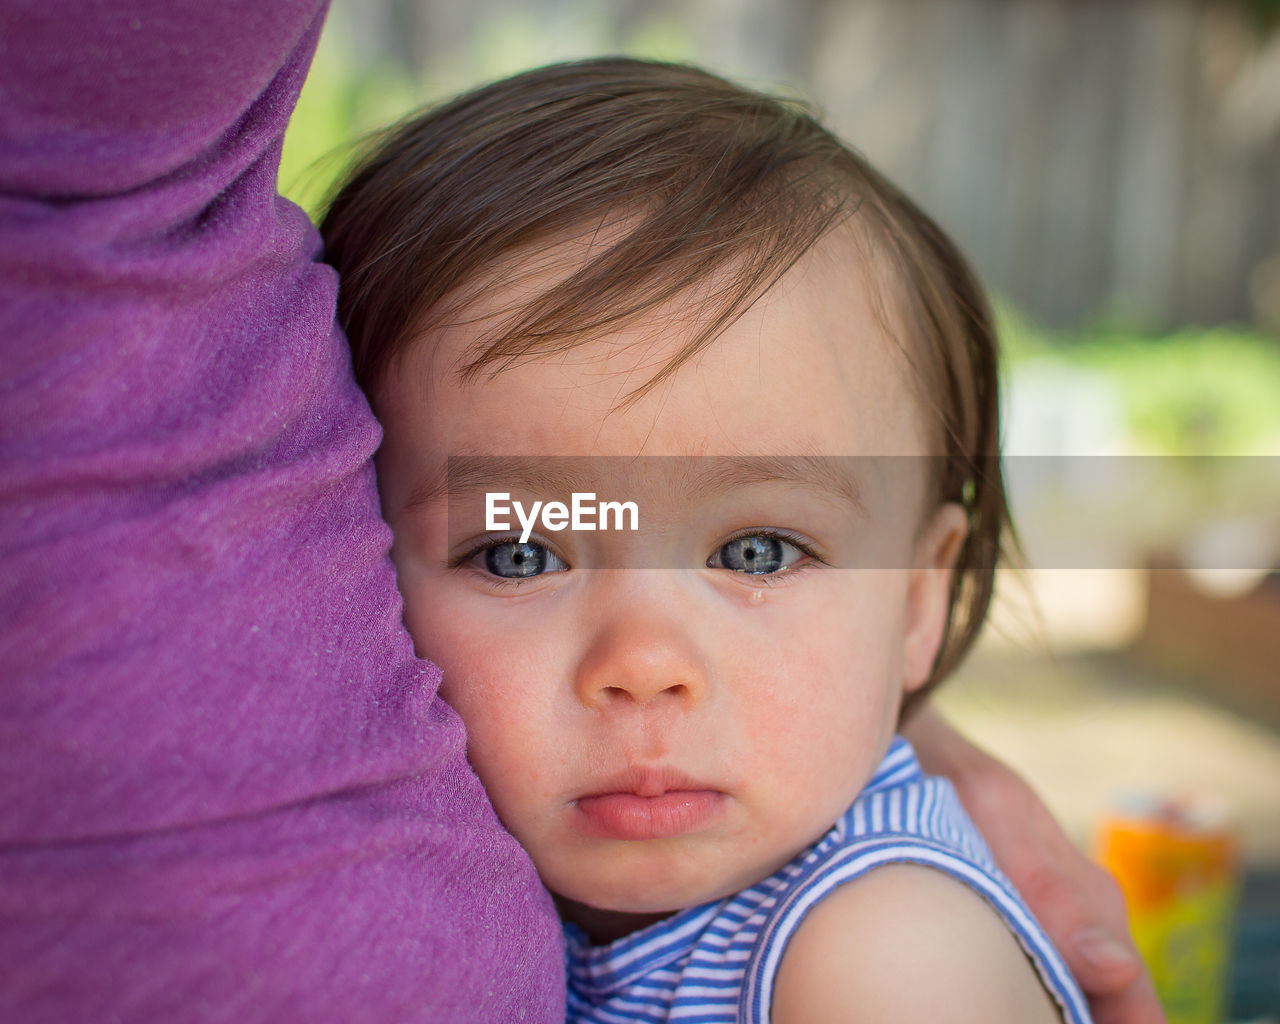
column 717, row 962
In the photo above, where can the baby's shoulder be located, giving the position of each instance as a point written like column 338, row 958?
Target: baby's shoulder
column 907, row 942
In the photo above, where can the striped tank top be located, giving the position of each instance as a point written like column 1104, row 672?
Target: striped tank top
column 717, row 962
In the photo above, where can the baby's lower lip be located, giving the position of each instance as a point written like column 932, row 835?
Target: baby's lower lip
column 630, row 816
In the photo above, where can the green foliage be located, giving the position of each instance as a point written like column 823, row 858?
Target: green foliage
column 1266, row 13
column 1198, row 391
column 339, row 105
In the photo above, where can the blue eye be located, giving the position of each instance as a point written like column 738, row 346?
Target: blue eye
column 756, row 554
column 512, row 560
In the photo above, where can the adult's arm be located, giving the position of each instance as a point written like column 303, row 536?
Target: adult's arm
column 1077, row 902
column 228, row 790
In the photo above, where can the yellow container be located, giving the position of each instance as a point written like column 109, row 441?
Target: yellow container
column 1176, row 862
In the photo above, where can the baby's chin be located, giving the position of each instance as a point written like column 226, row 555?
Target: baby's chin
column 629, row 897
column 634, row 898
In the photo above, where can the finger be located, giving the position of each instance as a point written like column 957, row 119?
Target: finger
column 1136, row 1004
column 1102, row 962
column 1084, row 912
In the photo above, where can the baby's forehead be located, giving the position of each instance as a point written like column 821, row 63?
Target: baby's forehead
column 837, row 299
column 809, row 366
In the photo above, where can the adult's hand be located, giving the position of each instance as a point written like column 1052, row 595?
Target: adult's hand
column 1077, row 902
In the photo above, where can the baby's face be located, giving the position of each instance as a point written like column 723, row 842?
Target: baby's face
column 666, row 716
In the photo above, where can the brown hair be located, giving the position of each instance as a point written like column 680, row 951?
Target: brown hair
column 710, row 182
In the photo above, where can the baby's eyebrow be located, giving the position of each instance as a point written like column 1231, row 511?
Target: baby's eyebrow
column 465, row 474
column 833, row 474
column 690, row 474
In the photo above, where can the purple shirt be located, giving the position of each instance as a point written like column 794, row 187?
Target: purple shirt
column 228, row 790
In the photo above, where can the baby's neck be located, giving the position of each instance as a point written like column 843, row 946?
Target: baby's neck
column 604, row 926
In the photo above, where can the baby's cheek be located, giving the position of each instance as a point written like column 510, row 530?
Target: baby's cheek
column 503, row 744
column 494, row 710
column 825, row 716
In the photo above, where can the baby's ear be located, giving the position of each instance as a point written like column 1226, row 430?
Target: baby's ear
column 929, row 593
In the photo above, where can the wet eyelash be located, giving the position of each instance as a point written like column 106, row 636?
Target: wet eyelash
column 798, row 542
column 460, row 561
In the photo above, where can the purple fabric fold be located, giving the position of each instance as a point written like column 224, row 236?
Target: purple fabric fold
column 228, row 789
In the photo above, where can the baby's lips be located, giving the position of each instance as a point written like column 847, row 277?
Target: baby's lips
column 632, row 816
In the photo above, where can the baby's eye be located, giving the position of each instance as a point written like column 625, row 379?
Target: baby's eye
column 512, row 560
column 756, row 554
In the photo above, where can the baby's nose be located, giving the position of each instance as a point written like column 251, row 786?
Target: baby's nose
column 639, row 661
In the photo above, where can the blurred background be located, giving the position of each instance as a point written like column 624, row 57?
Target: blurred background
column 1112, row 168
